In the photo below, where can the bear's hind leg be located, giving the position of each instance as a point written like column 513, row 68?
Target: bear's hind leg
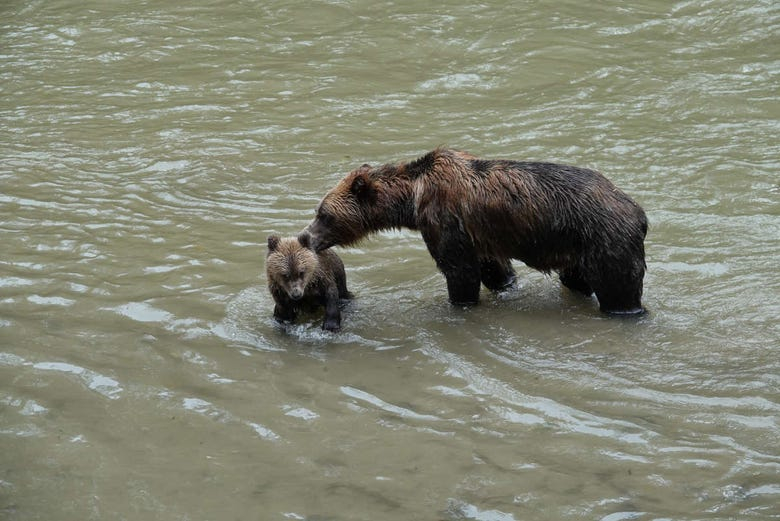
column 573, row 279
column 620, row 304
column 621, row 295
column 497, row 274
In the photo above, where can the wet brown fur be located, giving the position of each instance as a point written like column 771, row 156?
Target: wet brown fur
column 476, row 214
column 300, row 279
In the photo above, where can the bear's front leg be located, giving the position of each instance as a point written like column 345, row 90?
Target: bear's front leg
column 284, row 308
column 457, row 259
column 462, row 287
column 284, row 312
column 332, row 320
column 497, row 274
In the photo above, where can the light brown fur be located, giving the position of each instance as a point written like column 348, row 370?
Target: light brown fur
column 299, row 279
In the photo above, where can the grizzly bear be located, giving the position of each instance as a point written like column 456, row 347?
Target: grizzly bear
column 300, row 279
column 475, row 215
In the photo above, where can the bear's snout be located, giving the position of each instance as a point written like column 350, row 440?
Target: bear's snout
column 296, row 293
column 312, row 239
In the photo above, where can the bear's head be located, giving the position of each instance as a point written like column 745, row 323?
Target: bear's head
column 344, row 215
column 290, row 264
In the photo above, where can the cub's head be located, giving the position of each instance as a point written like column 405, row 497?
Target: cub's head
column 343, row 216
column 290, row 264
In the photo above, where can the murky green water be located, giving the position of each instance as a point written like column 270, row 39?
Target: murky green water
column 148, row 148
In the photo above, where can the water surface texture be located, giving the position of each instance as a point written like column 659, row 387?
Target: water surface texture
column 147, row 149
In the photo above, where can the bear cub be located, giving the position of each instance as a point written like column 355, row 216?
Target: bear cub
column 300, row 279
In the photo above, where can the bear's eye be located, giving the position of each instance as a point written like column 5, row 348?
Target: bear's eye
column 325, row 218
column 301, row 273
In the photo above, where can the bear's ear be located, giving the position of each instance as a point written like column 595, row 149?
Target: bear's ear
column 305, row 239
column 361, row 186
column 273, row 242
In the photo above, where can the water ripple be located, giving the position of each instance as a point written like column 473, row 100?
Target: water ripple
column 148, row 151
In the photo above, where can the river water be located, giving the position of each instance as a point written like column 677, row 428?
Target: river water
column 147, row 149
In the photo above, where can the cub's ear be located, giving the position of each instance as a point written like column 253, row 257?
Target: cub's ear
column 305, row 239
column 273, row 242
column 362, row 187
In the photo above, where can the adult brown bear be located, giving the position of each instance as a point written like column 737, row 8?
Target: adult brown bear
column 477, row 214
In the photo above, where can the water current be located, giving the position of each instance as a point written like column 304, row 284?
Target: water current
column 147, row 150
